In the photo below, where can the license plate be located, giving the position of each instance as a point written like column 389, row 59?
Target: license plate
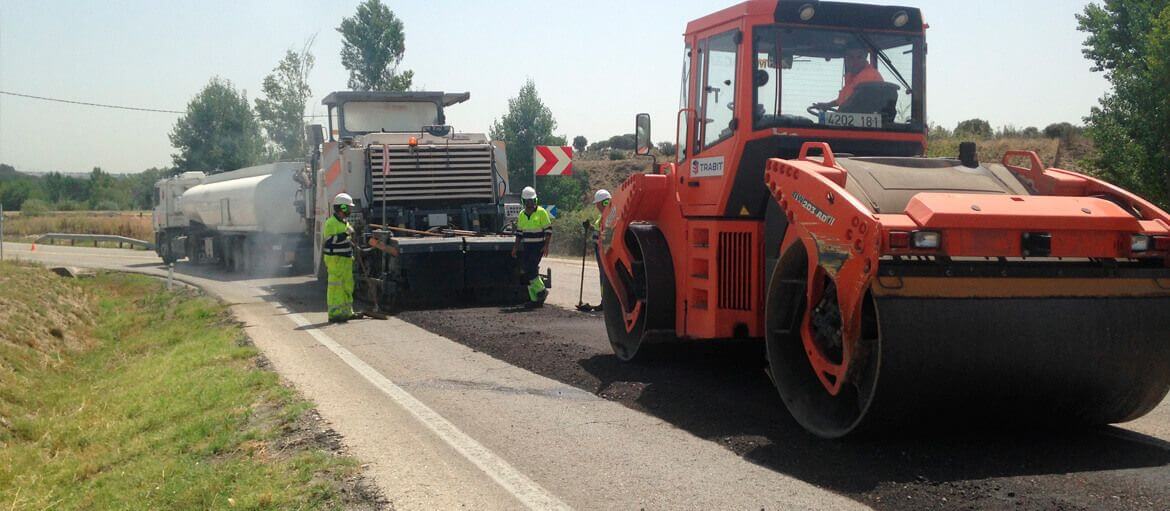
column 850, row 120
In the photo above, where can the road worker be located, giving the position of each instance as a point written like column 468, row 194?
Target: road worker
column 338, row 252
column 601, row 200
column 533, row 233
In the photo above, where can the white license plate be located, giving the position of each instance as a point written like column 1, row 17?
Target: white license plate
column 849, row 120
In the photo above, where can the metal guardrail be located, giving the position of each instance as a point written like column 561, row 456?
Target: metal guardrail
column 53, row 237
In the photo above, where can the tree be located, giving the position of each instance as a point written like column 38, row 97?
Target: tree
column 1061, row 130
column 219, row 132
column 978, row 128
column 625, row 142
column 14, row 193
column 527, row 124
column 142, row 187
column 580, row 143
column 1129, row 41
column 282, row 109
column 101, row 189
column 8, row 172
column 936, row 132
column 667, row 148
column 371, row 49
column 1030, row 132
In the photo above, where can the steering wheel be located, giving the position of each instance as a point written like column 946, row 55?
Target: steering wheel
column 816, row 109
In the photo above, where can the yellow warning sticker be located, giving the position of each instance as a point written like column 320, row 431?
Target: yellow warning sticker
column 743, row 211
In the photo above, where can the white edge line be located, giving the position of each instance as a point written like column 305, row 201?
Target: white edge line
column 527, row 491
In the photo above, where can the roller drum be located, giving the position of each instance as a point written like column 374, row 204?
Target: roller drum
column 982, row 360
column 1022, row 360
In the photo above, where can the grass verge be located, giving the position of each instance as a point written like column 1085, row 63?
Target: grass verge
column 116, row 394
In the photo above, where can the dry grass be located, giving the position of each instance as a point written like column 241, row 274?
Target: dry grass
column 132, row 224
column 38, row 328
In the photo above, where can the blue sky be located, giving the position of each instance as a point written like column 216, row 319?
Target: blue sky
column 595, row 64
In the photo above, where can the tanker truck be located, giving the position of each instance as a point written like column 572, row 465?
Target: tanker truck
column 246, row 220
column 430, row 201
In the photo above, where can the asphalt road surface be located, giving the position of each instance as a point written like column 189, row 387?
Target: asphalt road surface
column 489, row 408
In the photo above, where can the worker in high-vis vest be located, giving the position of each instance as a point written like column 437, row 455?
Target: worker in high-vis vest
column 338, row 256
column 533, row 233
column 601, row 201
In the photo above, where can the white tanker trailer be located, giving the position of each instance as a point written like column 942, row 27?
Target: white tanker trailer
column 245, row 219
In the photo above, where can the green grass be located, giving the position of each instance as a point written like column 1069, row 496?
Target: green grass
column 148, row 399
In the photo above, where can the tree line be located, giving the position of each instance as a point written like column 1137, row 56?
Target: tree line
column 979, row 129
column 99, row 190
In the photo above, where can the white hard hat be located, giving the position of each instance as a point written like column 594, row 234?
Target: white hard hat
column 343, row 198
column 601, row 195
column 528, row 193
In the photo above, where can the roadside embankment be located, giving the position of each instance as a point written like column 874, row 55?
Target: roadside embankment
column 118, row 394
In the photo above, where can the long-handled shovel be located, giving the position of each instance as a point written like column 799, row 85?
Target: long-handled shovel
column 581, row 305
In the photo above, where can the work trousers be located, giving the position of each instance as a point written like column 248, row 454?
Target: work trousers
column 530, row 256
column 597, row 255
column 339, row 296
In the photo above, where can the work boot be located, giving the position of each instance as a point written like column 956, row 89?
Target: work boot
column 541, row 297
column 533, row 305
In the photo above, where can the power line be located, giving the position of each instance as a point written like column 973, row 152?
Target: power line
column 101, row 105
column 84, row 103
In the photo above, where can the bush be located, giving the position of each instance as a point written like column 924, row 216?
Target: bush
column 569, row 234
column 34, row 207
column 974, row 128
column 568, row 193
column 616, row 155
column 1061, row 130
column 106, row 205
column 70, row 205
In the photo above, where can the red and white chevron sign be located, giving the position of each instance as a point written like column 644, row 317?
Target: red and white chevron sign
column 549, row 160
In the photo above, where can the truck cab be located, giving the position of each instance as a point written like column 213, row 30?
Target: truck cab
column 169, row 221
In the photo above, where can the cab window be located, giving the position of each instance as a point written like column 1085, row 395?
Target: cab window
column 719, row 89
column 834, row 79
column 684, row 126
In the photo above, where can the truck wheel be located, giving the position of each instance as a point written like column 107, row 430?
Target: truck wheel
column 322, row 272
column 164, row 249
column 390, row 297
column 237, row 260
column 302, row 262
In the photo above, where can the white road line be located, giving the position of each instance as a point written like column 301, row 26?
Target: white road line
column 527, row 491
